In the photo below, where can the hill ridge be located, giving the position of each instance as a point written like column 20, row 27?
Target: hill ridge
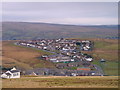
column 34, row 30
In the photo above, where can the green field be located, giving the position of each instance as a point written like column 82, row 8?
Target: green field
column 109, row 67
column 106, row 45
column 106, row 49
column 110, row 47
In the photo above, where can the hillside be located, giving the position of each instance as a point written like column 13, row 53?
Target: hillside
column 22, row 57
column 24, row 30
column 108, row 50
column 27, row 58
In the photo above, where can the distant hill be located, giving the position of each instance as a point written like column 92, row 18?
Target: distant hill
column 25, row 30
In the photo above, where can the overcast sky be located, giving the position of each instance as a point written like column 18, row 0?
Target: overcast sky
column 77, row 13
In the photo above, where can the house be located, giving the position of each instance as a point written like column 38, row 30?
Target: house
column 88, row 57
column 74, row 74
column 13, row 73
column 102, row 60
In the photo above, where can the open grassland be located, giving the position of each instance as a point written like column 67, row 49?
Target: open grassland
column 62, row 82
column 108, row 67
column 23, row 57
column 106, row 49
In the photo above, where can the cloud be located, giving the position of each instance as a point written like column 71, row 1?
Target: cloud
column 68, row 13
column 78, row 21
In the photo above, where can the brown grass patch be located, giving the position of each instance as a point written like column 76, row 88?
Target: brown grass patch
column 62, row 82
column 22, row 57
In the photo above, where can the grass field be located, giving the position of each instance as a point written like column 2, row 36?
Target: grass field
column 23, row 57
column 62, row 82
column 105, row 48
column 108, row 50
column 109, row 67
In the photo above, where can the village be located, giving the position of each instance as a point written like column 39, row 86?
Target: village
column 66, row 55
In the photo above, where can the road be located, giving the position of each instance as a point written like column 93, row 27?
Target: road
column 99, row 69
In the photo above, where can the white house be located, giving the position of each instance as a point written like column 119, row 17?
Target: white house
column 13, row 73
column 89, row 59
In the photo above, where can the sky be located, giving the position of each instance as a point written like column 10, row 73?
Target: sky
column 75, row 13
column 60, row 0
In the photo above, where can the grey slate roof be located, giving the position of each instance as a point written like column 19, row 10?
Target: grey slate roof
column 8, row 74
column 14, row 71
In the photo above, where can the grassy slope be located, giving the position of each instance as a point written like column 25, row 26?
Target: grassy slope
column 22, row 30
column 27, row 57
column 109, row 67
column 105, row 48
column 108, row 50
column 62, row 82
column 23, row 57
